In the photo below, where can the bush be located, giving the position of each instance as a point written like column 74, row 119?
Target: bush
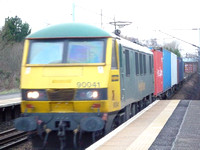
column 10, row 60
column 11, row 48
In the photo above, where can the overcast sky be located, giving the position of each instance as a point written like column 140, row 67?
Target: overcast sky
column 147, row 16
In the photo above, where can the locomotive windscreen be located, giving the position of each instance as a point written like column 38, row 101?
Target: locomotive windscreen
column 66, row 51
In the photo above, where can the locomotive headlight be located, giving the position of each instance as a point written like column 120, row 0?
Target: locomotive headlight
column 33, row 95
column 28, row 94
column 91, row 94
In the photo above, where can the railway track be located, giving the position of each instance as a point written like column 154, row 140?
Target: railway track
column 11, row 138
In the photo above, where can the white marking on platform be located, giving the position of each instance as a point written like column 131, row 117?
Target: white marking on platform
column 118, row 129
column 10, row 102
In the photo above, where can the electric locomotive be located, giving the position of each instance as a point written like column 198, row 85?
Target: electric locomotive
column 77, row 77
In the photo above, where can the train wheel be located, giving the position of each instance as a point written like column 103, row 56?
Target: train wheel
column 53, row 142
column 140, row 105
column 151, row 99
column 115, row 123
column 97, row 135
column 158, row 98
column 133, row 109
column 127, row 113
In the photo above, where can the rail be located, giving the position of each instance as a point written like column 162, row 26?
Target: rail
column 12, row 137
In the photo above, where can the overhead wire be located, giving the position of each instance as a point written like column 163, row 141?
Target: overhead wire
column 180, row 39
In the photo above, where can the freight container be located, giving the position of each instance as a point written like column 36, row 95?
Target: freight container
column 190, row 67
column 166, row 70
column 180, row 69
column 158, row 72
column 173, row 69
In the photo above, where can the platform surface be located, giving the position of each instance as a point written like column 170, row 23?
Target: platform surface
column 9, row 100
column 164, row 125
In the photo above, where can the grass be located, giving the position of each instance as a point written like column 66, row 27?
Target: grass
column 9, row 91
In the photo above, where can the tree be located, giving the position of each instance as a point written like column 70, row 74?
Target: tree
column 14, row 30
column 151, row 42
column 173, row 47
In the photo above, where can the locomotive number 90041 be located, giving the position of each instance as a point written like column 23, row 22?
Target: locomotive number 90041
column 88, row 84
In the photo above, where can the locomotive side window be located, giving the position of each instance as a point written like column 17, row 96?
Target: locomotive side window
column 152, row 71
column 114, row 56
column 85, row 52
column 144, row 62
column 151, row 64
column 136, row 63
column 127, row 63
column 141, row 64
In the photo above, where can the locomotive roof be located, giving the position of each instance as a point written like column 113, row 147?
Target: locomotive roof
column 79, row 30
column 135, row 46
column 69, row 30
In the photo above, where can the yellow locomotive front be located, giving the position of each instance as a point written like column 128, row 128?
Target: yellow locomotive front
column 69, row 80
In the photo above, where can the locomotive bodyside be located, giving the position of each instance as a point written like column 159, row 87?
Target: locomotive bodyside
column 136, row 75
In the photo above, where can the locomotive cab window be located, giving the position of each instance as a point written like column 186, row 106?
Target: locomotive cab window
column 48, row 52
column 66, row 51
column 85, row 52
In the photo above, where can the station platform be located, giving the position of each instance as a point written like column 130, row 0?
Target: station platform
column 10, row 100
column 163, row 125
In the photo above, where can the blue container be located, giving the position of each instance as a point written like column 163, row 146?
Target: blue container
column 166, row 70
column 180, row 69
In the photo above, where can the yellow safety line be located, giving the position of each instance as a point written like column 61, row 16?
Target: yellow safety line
column 145, row 140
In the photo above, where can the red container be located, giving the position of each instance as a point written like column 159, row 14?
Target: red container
column 158, row 72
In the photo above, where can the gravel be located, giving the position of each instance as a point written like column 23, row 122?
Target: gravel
column 190, row 89
column 24, row 146
column 6, row 125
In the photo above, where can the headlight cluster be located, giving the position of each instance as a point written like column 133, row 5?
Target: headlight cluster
column 91, row 94
column 80, row 94
column 34, row 95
